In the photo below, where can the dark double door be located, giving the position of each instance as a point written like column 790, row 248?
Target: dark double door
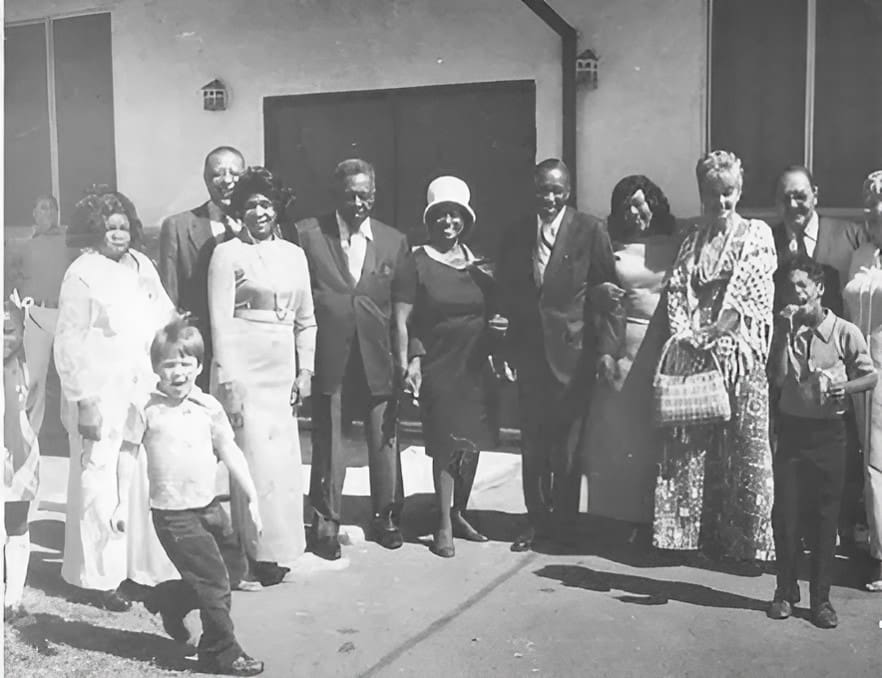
column 483, row 133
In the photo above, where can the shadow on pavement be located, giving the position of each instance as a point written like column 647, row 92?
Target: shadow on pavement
column 138, row 645
column 646, row 591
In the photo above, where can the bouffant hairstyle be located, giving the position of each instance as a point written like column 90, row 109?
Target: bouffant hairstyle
column 255, row 180
column 177, row 339
column 88, row 224
column 662, row 222
column 717, row 164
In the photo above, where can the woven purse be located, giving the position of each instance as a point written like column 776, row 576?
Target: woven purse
column 684, row 400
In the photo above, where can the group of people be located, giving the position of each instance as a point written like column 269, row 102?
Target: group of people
column 340, row 309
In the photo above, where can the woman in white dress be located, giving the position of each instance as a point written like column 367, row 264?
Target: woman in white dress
column 111, row 304
column 863, row 306
column 264, row 329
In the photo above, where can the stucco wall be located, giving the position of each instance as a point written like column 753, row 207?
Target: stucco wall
column 646, row 116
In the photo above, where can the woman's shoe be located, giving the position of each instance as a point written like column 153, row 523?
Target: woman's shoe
column 463, row 530
column 443, row 545
column 113, row 601
column 874, row 582
column 270, row 574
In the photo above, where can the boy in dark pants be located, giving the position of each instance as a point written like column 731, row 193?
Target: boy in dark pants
column 185, row 432
column 817, row 360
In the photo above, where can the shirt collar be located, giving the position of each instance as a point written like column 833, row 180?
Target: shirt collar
column 364, row 228
column 810, row 232
column 824, row 330
column 196, row 394
column 555, row 223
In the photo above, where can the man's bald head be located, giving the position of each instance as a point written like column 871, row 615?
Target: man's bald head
column 223, row 167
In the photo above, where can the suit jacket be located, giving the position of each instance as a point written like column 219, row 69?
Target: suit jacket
column 837, row 240
column 346, row 311
column 558, row 318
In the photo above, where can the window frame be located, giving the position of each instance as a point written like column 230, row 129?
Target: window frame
column 768, row 212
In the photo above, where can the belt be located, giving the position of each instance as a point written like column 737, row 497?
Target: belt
column 264, row 316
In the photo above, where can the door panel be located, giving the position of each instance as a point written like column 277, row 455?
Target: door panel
column 84, row 106
column 27, row 161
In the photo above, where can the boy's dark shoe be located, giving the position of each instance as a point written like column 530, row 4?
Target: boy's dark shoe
column 387, row 533
column 243, row 665
column 824, row 616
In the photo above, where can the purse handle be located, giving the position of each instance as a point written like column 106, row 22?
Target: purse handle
column 664, row 355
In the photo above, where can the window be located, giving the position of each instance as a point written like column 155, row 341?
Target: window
column 798, row 81
column 59, row 130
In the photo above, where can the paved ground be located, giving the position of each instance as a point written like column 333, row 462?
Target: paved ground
column 612, row 609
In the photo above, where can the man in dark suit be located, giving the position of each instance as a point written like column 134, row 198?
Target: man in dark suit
column 363, row 285
column 188, row 239
column 800, row 229
column 559, row 342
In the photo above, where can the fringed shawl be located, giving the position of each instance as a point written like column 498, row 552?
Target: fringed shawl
column 745, row 265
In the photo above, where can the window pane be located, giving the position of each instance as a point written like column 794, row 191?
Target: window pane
column 84, row 106
column 28, row 165
column 758, row 88
column 848, row 99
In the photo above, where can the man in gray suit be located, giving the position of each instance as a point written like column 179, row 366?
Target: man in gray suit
column 188, row 239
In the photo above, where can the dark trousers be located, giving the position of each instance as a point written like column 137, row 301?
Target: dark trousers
column 200, row 542
column 331, row 415
column 809, row 476
column 552, row 416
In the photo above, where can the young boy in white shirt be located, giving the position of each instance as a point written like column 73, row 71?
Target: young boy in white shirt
column 185, row 432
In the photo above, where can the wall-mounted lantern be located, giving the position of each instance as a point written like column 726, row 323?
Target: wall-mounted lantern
column 214, row 96
column 587, row 67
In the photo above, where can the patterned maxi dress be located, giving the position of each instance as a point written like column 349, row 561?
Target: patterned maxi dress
column 714, row 491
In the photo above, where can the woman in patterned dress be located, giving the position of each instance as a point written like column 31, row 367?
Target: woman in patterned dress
column 714, row 489
column 621, row 447
column 863, row 307
column 263, row 328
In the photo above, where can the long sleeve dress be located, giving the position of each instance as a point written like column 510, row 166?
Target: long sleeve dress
column 108, row 314
column 621, row 447
column 714, row 491
column 264, row 329
column 863, row 307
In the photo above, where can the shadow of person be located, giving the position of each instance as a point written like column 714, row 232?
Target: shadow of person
column 646, row 591
column 49, row 629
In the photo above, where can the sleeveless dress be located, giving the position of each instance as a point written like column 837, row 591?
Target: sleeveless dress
column 863, row 306
column 621, row 446
column 262, row 326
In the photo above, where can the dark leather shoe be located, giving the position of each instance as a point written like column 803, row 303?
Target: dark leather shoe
column 824, row 616
column 779, row 609
column 463, row 530
column 387, row 533
column 327, row 548
column 524, row 541
column 243, row 665
column 113, row 601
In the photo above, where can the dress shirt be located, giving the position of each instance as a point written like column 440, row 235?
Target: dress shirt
column 221, row 223
column 809, row 237
column 355, row 244
column 546, row 234
column 44, row 261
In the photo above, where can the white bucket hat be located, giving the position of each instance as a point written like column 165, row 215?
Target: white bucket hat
column 449, row 189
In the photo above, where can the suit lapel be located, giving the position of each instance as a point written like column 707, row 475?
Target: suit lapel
column 824, row 245
column 199, row 230
column 560, row 249
column 332, row 237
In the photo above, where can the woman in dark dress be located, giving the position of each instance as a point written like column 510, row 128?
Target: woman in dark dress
column 449, row 346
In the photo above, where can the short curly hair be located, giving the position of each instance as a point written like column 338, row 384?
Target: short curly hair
column 662, row 222
column 715, row 164
column 88, row 224
column 259, row 180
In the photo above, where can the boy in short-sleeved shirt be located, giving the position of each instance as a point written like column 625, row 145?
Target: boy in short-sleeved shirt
column 184, row 433
column 817, row 360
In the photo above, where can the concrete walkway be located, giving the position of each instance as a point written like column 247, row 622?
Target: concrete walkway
column 611, row 609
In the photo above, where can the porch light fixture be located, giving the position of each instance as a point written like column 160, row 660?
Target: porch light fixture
column 214, row 96
column 587, row 67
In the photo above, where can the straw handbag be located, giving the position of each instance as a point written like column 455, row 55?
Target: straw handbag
column 683, row 400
